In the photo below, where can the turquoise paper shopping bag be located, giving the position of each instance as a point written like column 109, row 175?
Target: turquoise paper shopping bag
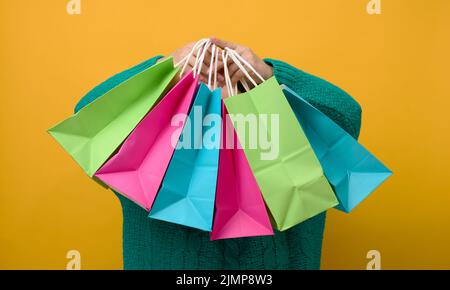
column 353, row 171
column 187, row 194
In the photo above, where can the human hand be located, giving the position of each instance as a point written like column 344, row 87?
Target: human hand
column 179, row 54
column 265, row 70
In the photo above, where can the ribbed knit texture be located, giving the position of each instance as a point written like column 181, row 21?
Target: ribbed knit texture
column 153, row 244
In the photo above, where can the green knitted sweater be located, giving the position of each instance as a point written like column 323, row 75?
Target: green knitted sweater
column 153, row 244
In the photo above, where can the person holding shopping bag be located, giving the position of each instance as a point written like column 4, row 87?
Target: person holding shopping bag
column 153, row 244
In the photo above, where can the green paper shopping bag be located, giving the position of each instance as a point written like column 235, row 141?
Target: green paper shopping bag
column 93, row 134
column 291, row 180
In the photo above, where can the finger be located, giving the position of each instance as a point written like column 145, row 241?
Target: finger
column 191, row 63
column 197, row 53
column 225, row 93
column 220, row 78
column 207, row 59
column 223, row 43
column 237, row 77
column 256, row 78
column 204, row 70
column 206, row 62
column 220, row 84
column 187, row 70
column 232, row 69
column 219, row 65
column 203, row 78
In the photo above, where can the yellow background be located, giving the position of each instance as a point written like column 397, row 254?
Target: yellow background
column 395, row 64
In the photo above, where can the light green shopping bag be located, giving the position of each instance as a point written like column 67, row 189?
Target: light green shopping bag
column 292, row 182
column 93, row 134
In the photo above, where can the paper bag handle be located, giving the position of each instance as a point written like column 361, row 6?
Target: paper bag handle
column 231, row 91
column 186, row 59
column 201, row 58
column 236, row 56
column 212, row 72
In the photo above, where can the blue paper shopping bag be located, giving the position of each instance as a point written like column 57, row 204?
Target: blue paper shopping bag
column 353, row 171
column 187, row 194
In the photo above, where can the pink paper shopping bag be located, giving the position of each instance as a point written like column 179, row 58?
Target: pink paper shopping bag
column 240, row 209
column 138, row 168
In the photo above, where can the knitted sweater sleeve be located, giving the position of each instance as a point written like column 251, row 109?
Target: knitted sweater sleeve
column 328, row 98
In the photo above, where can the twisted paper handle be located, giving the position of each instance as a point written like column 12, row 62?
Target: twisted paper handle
column 239, row 61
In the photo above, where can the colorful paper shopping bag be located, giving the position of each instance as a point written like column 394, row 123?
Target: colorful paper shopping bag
column 93, row 134
column 288, row 173
column 188, row 190
column 352, row 170
column 138, row 168
column 240, row 209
